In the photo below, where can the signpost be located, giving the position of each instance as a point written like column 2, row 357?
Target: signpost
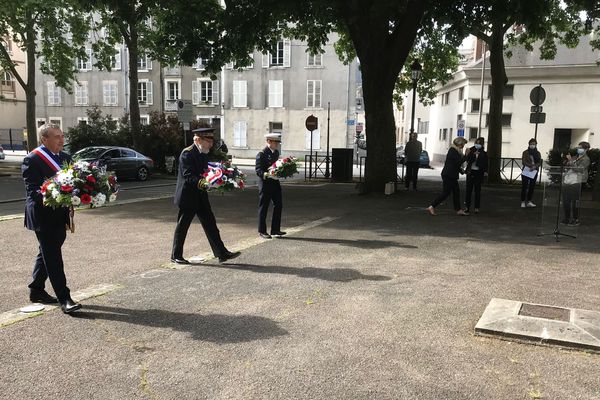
column 460, row 127
column 312, row 123
column 537, row 97
column 184, row 115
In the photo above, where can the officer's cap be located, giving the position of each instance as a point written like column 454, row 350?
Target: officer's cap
column 273, row 136
column 208, row 133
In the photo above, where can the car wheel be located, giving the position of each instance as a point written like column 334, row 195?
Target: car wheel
column 142, row 174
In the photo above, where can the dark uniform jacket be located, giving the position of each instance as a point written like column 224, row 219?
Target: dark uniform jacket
column 480, row 160
column 264, row 159
column 35, row 171
column 453, row 163
column 192, row 164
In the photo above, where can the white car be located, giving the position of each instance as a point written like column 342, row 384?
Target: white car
column 2, row 156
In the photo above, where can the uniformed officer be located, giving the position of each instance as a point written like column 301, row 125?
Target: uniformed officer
column 269, row 189
column 193, row 201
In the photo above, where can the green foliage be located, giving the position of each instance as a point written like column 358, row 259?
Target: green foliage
column 162, row 137
column 100, row 130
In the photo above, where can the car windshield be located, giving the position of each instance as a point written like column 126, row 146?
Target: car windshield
column 90, row 152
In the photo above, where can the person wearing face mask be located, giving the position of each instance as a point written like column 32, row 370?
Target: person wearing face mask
column 450, row 173
column 579, row 166
column 532, row 160
column 193, row 201
column 477, row 165
column 269, row 189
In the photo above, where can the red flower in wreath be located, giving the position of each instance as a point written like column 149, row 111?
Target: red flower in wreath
column 86, row 198
column 90, row 179
column 44, row 187
column 66, row 188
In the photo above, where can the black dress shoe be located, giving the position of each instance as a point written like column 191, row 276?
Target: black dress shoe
column 278, row 233
column 264, row 235
column 227, row 255
column 41, row 296
column 180, row 261
column 68, row 306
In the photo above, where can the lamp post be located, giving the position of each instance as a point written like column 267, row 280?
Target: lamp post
column 416, row 71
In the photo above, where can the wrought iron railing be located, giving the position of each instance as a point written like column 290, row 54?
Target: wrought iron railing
column 315, row 166
column 399, row 175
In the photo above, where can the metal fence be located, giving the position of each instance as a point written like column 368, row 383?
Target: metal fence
column 315, row 166
column 363, row 160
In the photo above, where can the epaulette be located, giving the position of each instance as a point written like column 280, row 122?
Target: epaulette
column 189, row 148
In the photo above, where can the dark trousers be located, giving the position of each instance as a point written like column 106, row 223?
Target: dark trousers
column 269, row 192
column 209, row 224
column 450, row 186
column 49, row 263
column 527, row 186
column 474, row 181
column 412, row 172
column 571, row 196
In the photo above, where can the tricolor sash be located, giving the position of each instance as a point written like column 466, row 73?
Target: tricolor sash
column 42, row 152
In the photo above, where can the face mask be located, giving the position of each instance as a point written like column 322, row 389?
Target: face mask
column 532, row 146
column 477, row 146
column 580, row 151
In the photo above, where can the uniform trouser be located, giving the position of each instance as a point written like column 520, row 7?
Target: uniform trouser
column 450, row 186
column 412, row 173
column 266, row 195
column 571, row 196
column 209, row 224
column 527, row 186
column 49, row 263
column 474, row 180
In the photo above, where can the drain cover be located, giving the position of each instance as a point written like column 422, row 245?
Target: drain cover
column 546, row 312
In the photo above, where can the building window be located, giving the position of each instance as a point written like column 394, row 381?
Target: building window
column 314, row 60
column 275, row 94
column 172, row 95
column 276, row 127
column 313, row 94
column 144, row 119
column 81, row 93
column 7, row 83
column 82, row 121
column 205, row 92
column 239, row 133
column 240, row 94
column 144, row 64
column 444, row 134
column 85, row 64
column 473, row 134
column 116, row 60
column 55, row 121
column 279, row 57
column 506, row 119
column 109, row 93
column 53, row 94
column 145, row 92
column 445, row 98
column 422, row 127
column 461, row 93
column 475, row 105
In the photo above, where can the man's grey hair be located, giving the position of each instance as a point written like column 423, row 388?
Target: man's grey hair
column 44, row 129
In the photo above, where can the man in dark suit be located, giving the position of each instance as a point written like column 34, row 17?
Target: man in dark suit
column 49, row 224
column 193, row 201
column 269, row 189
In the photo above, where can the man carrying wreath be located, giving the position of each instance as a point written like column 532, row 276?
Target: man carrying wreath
column 48, row 223
column 269, row 189
column 193, row 201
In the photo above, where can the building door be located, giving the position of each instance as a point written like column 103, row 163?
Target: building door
column 562, row 139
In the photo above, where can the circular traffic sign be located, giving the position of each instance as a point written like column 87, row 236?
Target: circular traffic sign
column 312, row 123
column 537, row 95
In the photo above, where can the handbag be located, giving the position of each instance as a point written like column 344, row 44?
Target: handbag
column 570, row 178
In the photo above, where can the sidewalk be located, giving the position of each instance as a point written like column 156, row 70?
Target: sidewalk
column 368, row 297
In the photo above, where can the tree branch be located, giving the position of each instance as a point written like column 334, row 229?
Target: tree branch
column 11, row 66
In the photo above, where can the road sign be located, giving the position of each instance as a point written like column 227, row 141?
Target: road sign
column 351, row 122
column 184, row 110
column 537, row 95
column 312, row 123
column 537, row 118
column 460, row 132
column 537, row 109
column 460, row 125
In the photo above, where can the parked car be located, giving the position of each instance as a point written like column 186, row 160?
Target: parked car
column 2, row 156
column 423, row 158
column 126, row 163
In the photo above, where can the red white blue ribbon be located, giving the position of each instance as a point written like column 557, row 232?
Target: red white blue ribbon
column 41, row 152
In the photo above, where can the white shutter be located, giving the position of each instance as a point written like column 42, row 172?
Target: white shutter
column 215, row 92
column 310, row 94
column 286, row 52
column 318, row 85
column 275, row 93
column 195, row 92
column 239, row 94
column 251, row 55
column 106, row 93
column 239, row 133
column 266, row 57
column 149, row 64
column 117, row 60
column 149, row 93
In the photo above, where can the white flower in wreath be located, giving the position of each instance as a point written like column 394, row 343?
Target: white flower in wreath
column 75, row 200
column 55, row 193
column 112, row 198
column 98, row 200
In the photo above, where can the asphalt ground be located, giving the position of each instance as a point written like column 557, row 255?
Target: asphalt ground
column 375, row 300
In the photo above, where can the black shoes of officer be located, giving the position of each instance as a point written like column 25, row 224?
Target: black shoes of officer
column 264, row 235
column 68, row 306
column 179, row 260
column 278, row 233
column 41, row 296
column 228, row 255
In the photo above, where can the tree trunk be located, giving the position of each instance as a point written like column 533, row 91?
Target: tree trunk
column 380, row 166
column 134, row 106
column 32, row 136
column 499, row 80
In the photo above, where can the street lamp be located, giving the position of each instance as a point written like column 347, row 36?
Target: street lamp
column 416, row 71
